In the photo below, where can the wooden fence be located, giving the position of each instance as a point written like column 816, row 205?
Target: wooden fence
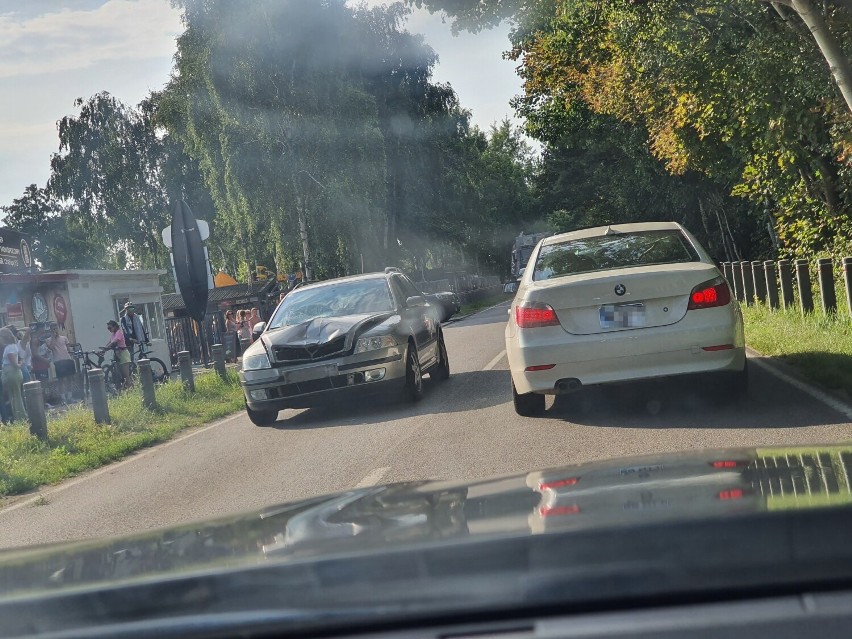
column 786, row 283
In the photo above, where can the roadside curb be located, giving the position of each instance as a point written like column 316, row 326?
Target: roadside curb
column 452, row 320
column 787, row 373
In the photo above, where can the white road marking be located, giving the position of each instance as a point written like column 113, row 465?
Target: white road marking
column 821, row 396
column 43, row 494
column 373, row 477
column 495, row 361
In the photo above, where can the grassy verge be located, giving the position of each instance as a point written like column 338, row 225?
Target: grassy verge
column 76, row 443
column 819, row 346
column 473, row 307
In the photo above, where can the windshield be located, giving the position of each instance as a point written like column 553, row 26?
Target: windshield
column 623, row 250
column 256, row 252
column 333, row 300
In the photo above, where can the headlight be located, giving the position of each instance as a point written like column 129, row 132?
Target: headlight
column 256, row 362
column 366, row 344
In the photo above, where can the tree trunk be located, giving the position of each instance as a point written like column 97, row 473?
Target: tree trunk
column 831, row 50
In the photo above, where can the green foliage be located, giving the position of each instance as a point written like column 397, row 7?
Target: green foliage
column 734, row 97
column 59, row 240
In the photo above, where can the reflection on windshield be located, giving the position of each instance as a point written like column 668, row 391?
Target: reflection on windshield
column 588, row 496
column 601, row 253
column 334, row 300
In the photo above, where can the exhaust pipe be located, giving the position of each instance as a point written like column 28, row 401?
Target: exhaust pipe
column 564, row 386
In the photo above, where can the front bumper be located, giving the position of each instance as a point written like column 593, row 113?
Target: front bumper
column 322, row 383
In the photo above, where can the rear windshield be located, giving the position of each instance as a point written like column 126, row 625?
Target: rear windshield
column 606, row 252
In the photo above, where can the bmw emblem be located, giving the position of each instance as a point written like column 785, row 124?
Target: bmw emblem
column 620, row 289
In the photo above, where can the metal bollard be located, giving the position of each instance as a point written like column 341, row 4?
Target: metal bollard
column 803, row 279
column 737, row 272
column 825, row 272
column 785, row 274
column 97, row 388
column 186, row 376
column 218, row 351
column 34, row 401
column 146, row 379
column 759, row 278
column 748, row 283
column 245, row 342
column 847, row 280
column 771, row 283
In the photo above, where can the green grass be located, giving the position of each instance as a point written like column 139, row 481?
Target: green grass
column 818, row 345
column 76, row 443
column 473, row 307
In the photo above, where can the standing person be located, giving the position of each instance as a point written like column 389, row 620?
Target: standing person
column 133, row 327
column 13, row 380
column 26, row 353
column 121, row 354
column 62, row 362
column 231, row 336
column 253, row 319
column 243, row 324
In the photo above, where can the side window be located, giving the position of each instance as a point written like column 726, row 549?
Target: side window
column 396, row 289
column 408, row 288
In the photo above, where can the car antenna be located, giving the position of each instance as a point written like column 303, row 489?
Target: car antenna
column 611, row 231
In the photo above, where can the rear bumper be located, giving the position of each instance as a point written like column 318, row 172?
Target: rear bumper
column 279, row 389
column 621, row 356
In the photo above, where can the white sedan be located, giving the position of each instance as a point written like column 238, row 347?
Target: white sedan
column 618, row 303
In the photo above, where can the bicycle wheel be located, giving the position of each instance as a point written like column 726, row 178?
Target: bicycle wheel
column 159, row 370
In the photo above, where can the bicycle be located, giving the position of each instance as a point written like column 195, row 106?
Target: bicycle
column 159, row 370
column 112, row 376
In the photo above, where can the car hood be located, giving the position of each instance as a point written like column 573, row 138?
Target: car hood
column 321, row 330
column 597, row 512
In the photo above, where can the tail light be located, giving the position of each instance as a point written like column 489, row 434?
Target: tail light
column 535, row 315
column 710, row 294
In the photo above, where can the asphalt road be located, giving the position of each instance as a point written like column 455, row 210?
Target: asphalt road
column 463, row 429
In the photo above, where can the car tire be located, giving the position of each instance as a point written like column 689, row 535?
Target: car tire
column 262, row 417
column 527, row 404
column 441, row 371
column 413, row 389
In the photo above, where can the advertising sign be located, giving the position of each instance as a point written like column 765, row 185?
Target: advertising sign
column 15, row 253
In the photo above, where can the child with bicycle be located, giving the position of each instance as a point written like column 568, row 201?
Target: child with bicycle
column 121, row 354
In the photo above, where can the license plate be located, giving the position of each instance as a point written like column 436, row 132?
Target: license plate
column 622, row 315
column 308, row 374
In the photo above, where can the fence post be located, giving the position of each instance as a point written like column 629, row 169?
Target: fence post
column 34, row 401
column 737, row 273
column 728, row 273
column 748, row 283
column 146, row 378
column 219, row 360
column 97, row 388
column 825, row 272
column 847, row 280
column 803, row 278
column 785, row 274
column 771, row 283
column 186, row 376
column 759, row 281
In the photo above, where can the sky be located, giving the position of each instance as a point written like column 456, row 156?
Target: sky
column 54, row 51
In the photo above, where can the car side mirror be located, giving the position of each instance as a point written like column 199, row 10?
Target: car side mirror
column 258, row 328
column 415, row 300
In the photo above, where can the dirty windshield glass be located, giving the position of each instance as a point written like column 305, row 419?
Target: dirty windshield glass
column 352, row 298
column 619, row 250
column 258, row 252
